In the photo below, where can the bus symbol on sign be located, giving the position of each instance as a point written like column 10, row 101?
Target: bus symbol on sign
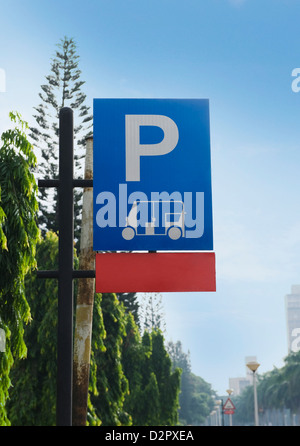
column 172, row 222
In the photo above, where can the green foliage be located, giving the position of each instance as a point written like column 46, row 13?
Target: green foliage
column 131, row 381
column 98, row 346
column 168, row 381
column 131, row 305
column 109, row 383
column 195, row 396
column 200, row 402
column 153, row 388
column 3, row 241
column 6, row 362
column 18, row 237
column 150, row 416
column 130, row 377
column 35, row 377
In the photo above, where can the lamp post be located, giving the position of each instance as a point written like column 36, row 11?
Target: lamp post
column 213, row 418
column 219, row 408
column 253, row 366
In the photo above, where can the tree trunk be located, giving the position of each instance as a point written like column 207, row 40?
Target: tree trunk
column 85, row 301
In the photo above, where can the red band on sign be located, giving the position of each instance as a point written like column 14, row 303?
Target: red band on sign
column 155, row 272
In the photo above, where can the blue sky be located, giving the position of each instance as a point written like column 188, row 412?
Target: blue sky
column 240, row 55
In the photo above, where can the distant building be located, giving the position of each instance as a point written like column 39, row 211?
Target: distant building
column 292, row 312
column 239, row 384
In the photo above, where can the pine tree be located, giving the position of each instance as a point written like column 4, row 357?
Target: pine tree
column 152, row 312
column 131, row 305
column 168, row 381
column 63, row 89
column 152, row 399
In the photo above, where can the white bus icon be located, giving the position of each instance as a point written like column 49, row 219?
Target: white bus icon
column 173, row 222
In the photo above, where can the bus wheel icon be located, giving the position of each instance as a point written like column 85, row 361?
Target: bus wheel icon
column 174, row 233
column 128, row 233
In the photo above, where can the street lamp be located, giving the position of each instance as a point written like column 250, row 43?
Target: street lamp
column 213, row 418
column 219, row 407
column 253, row 366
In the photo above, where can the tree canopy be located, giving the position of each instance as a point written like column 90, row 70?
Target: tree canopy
column 18, row 237
column 131, row 376
column 196, row 395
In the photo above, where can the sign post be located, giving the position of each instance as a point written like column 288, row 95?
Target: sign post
column 152, row 195
column 65, row 273
column 229, row 409
column 152, row 199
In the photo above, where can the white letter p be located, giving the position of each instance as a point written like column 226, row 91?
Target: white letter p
column 134, row 150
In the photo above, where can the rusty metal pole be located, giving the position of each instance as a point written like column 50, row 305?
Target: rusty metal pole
column 85, row 301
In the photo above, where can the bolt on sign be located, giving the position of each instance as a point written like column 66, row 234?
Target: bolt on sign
column 152, row 192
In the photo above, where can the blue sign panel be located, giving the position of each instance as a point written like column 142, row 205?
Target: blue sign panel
column 152, row 175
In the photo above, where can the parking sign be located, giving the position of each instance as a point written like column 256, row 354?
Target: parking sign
column 152, row 175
